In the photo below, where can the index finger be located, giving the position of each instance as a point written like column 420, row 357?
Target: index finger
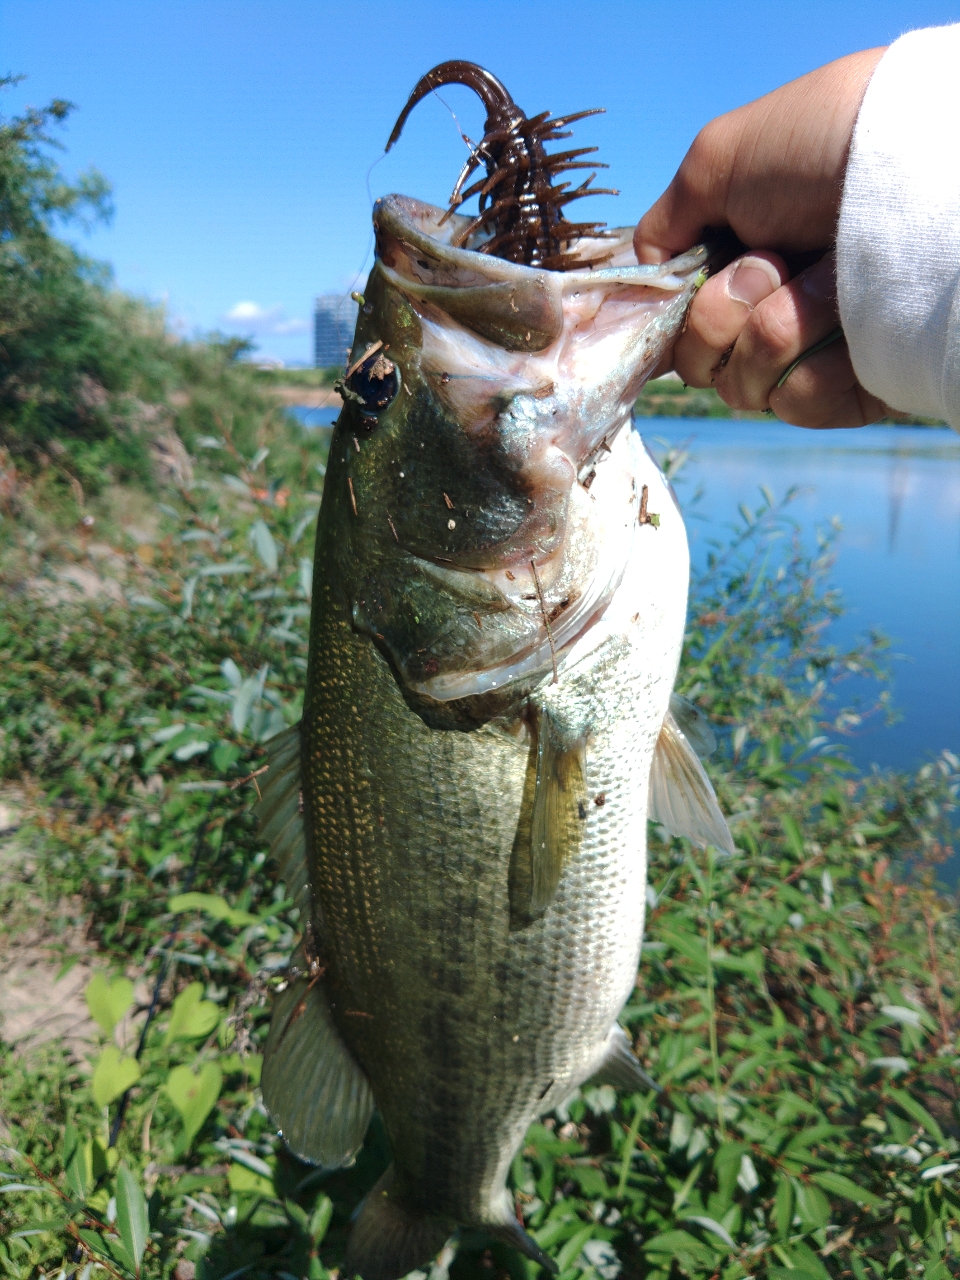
column 695, row 199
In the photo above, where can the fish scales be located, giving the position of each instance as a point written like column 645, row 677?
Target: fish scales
column 498, row 609
column 493, row 1025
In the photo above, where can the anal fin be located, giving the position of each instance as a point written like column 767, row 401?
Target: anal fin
column 621, row 1067
column 681, row 795
column 312, row 1086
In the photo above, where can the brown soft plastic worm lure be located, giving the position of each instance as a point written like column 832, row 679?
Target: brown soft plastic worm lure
column 521, row 211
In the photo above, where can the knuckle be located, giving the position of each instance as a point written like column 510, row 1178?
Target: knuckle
column 771, row 331
column 709, row 142
column 738, row 395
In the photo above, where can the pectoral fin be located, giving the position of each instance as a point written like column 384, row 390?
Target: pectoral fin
column 681, row 795
column 280, row 815
column 554, row 821
column 312, row 1086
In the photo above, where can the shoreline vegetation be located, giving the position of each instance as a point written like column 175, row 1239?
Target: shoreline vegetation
column 799, row 1003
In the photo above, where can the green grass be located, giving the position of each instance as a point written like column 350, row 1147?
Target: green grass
column 799, row 1003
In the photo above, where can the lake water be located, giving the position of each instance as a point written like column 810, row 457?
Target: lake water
column 896, row 492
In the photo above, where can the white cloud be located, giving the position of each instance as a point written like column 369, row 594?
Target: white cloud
column 244, row 312
column 250, row 317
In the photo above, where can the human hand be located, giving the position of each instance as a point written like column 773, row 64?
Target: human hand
column 773, row 172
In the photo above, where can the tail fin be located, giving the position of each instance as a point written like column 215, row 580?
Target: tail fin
column 389, row 1239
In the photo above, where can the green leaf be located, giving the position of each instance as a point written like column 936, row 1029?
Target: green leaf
column 194, row 1095
column 794, row 838
column 838, row 1185
column 783, row 1206
column 591, row 1181
column 261, row 539
column 572, row 1249
column 212, row 905
column 726, row 1166
column 813, row 1207
column 320, row 1220
column 691, row 1254
column 711, row 1225
column 688, row 946
column 919, row 1113
column 792, row 1273
column 77, row 1163
column 84, row 1163
column 827, row 1001
column 132, row 1218
column 751, row 963
column 191, row 1016
column 113, row 1075
column 240, row 1178
column 108, row 1001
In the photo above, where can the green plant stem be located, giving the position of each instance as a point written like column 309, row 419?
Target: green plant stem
column 711, row 1000
column 629, row 1145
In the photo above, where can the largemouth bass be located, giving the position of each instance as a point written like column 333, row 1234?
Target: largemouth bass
column 498, row 609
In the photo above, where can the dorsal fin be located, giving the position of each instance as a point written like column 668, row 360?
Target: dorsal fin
column 681, row 795
column 280, row 814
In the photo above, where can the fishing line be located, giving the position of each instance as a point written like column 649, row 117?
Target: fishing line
column 474, row 149
column 361, row 271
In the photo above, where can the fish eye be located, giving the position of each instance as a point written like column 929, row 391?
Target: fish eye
column 373, row 383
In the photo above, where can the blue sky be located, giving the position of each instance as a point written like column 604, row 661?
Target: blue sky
column 244, row 140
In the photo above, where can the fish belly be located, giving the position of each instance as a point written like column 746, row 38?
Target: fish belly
column 468, row 1028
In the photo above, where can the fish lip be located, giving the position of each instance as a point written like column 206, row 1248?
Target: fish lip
column 522, row 306
column 404, row 216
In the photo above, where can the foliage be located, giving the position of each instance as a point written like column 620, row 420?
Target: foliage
column 89, row 376
column 289, row 377
column 799, row 1003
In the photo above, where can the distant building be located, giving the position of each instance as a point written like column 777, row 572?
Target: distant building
column 334, row 320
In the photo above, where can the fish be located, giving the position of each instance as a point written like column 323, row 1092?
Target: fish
column 499, row 598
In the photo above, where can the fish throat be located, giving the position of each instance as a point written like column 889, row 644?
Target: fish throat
column 521, row 217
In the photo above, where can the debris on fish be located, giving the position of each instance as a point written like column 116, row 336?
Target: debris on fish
column 461, row 813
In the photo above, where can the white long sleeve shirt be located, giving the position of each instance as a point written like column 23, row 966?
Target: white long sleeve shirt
column 898, row 240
